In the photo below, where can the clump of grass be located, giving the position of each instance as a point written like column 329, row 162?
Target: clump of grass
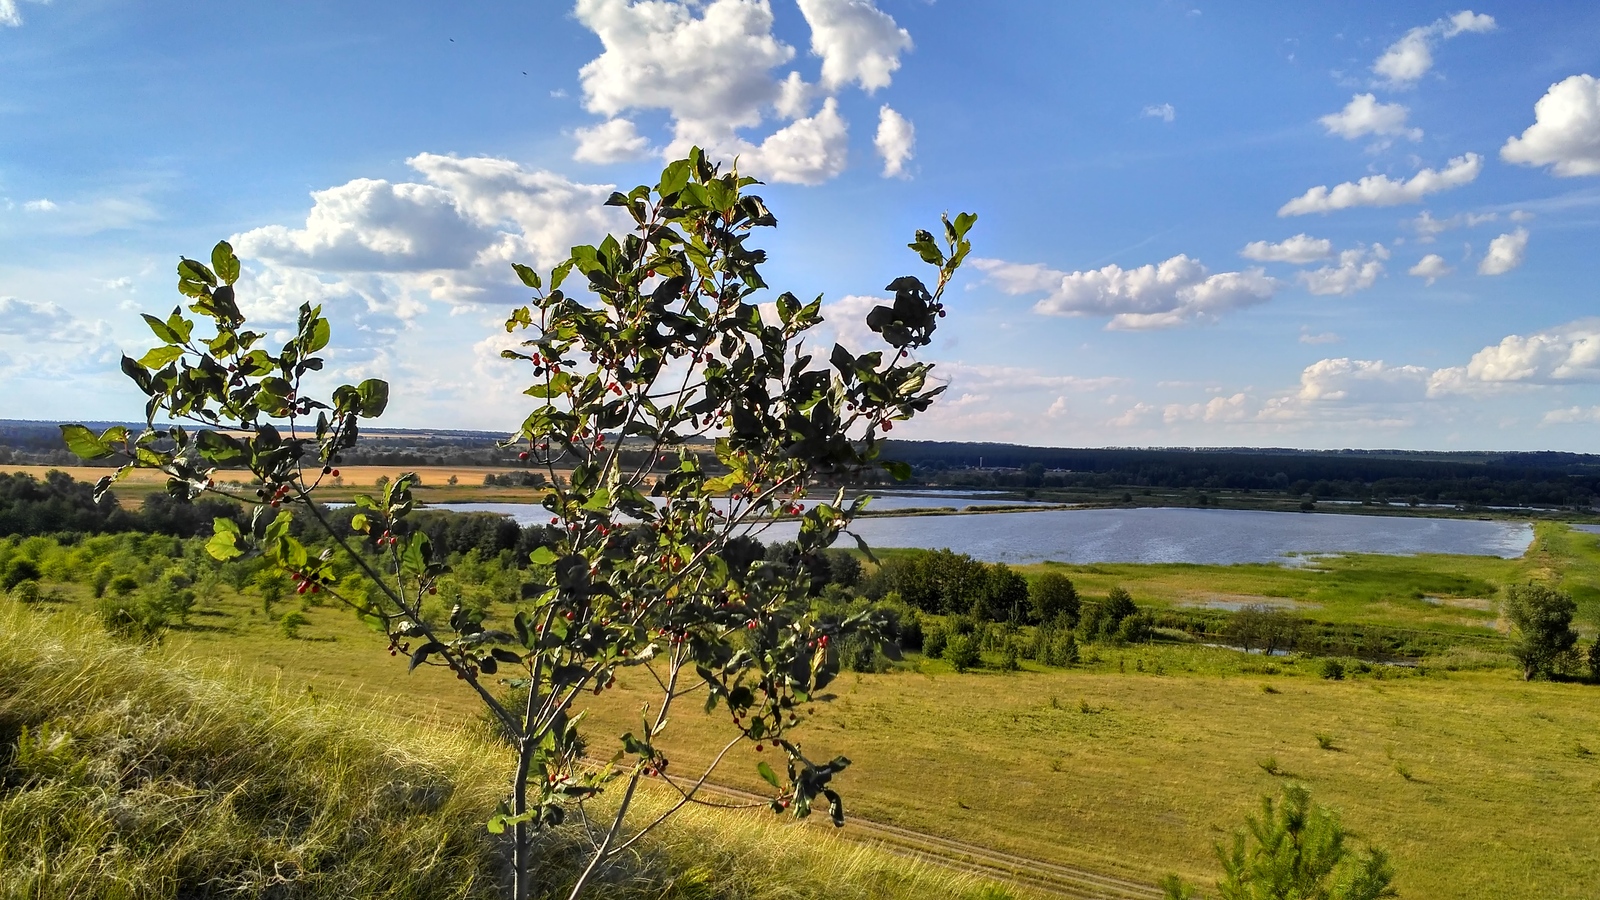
column 1270, row 765
column 1325, row 741
column 1269, row 689
column 1404, row 771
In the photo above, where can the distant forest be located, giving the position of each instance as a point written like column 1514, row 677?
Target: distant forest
column 1538, row 479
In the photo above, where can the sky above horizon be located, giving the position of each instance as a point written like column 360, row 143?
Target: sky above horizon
column 1256, row 224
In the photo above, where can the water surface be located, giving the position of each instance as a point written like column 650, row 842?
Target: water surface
column 1205, row 536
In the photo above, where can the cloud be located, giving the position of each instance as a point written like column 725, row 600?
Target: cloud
column 1358, row 269
column 1505, row 253
column 710, row 69
column 40, row 205
column 1564, row 354
column 11, row 13
column 896, row 141
column 857, row 42
column 1300, row 249
column 1381, row 190
column 1431, row 267
column 612, row 141
column 1237, row 408
column 1165, row 112
column 991, row 379
column 709, row 64
column 1428, row 228
column 450, row 237
column 1326, row 337
column 1139, row 414
column 807, row 151
column 1176, row 292
column 1361, row 381
column 21, row 318
column 1408, row 59
column 1364, row 115
column 1058, row 408
column 1565, row 134
column 1572, row 415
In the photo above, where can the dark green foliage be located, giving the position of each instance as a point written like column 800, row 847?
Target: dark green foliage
column 1541, row 619
column 1052, row 597
column 1003, row 596
column 1592, row 659
column 935, row 642
column 59, row 504
column 1331, row 669
column 1257, row 626
column 1054, row 644
column 1102, row 620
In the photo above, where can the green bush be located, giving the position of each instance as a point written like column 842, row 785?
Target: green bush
column 291, row 623
column 25, row 591
column 961, row 650
column 17, row 571
column 935, row 641
column 1331, row 669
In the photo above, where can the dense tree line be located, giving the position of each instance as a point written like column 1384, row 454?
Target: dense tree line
column 1501, row 479
column 59, row 504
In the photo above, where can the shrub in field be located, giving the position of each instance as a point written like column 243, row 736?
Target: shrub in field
column 1331, row 669
column 667, row 350
column 1051, row 597
column 17, row 571
column 1294, row 851
column 25, row 591
column 1541, row 619
column 291, row 623
column 935, row 642
column 961, row 651
column 1592, row 660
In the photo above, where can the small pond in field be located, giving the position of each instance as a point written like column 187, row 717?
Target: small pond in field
column 1213, row 537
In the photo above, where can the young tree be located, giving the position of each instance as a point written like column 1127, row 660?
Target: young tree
column 1051, row 597
column 1294, row 851
column 668, row 347
column 1542, row 619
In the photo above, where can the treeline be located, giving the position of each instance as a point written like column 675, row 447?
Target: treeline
column 1502, row 479
column 59, row 504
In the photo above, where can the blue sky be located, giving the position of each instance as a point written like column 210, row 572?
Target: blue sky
column 1246, row 224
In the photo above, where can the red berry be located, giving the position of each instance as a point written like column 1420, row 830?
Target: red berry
column 759, row 748
column 522, row 455
column 335, row 473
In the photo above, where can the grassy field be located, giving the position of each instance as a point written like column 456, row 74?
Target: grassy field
column 146, row 774
column 436, row 486
column 1137, row 761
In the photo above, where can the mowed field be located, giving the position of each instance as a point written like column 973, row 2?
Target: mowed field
column 1136, row 762
column 436, row 484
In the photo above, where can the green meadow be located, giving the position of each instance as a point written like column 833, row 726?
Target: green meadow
column 1137, row 760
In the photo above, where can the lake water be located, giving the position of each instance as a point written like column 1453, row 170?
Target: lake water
column 1216, row 537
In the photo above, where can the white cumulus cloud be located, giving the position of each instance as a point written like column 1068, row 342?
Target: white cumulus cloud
column 1362, row 381
column 1408, row 59
column 1505, row 253
column 857, row 42
column 43, row 204
column 1381, row 190
column 1364, row 115
column 1566, row 353
column 1432, row 267
column 896, row 142
column 1357, row 270
column 612, row 141
column 1565, row 134
column 709, row 64
column 1176, row 292
column 11, row 12
column 1572, row 415
column 1299, row 250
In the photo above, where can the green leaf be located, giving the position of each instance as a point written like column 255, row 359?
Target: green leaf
column 224, row 262
column 83, row 442
column 224, row 542
column 374, row 395
column 160, row 356
column 900, row 470
column 162, row 331
column 529, row 277
column 542, row 556
column 767, row 775
column 360, row 522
